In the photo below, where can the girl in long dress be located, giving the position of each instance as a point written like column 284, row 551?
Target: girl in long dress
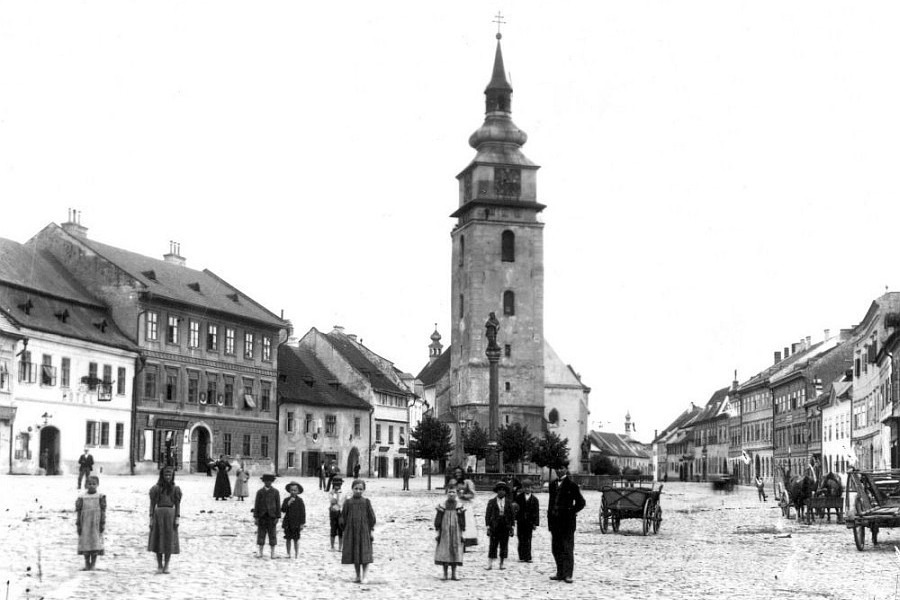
column 165, row 512
column 358, row 523
column 222, row 489
column 450, row 521
column 90, row 522
column 241, row 476
column 465, row 493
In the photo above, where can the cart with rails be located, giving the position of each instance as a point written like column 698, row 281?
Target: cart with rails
column 872, row 501
column 628, row 502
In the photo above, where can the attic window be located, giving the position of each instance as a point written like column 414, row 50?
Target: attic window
column 101, row 325
column 233, row 297
column 26, row 307
column 195, row 286
column 309, row 381
column 282, row 378
column 334, row 383
column 149, row 275
column 62, row 316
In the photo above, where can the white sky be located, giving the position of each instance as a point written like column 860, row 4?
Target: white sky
column 720, row 177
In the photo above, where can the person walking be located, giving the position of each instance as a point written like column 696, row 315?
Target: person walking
column 90, row 522
column 404, row 472
column 241, row 477
column 528, row 519
column 85, row 465
column 222, row 488
column 500, row 520
column 450, row 521
column 165, row 514
column 358, row 524
column 564, row 504
column 266, row 512
column 760, row 488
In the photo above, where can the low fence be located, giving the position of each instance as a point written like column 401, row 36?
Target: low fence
column 487, row 481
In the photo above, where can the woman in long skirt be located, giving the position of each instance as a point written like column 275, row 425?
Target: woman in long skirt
column 165, row 512
column 465, row 493
column 241, row 476
column 450, row 521
column 222, row 489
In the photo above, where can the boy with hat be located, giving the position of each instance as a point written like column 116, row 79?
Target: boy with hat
column 335, row 504
column 500, row 520
column 294, row 516
column 528, row 518
column 266, row 512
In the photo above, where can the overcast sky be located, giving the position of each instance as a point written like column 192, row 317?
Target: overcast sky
column 720, row 177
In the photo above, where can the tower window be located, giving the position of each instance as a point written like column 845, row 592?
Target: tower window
column 509, row 303
column 507, row 386
column 462, row 249
column 460, row 306
column 507, row 350
column 508, row 246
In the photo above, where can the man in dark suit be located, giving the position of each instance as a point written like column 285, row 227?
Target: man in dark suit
column 528, row 518
column 565, row 502
column 85, row 466
column 266, row 512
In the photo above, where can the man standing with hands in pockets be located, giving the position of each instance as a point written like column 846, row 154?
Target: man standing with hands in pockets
column 563, row 506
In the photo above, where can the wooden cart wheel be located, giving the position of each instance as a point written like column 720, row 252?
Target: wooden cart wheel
column 616, row 521
column 648, row 514
column 604, row 516
column 657, row 518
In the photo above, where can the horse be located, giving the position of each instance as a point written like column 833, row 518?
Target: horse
column 830, row 487
column 799, row 490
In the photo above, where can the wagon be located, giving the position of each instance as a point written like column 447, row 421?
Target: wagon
column 628, row 502
column 873, row 502
column 820, row 506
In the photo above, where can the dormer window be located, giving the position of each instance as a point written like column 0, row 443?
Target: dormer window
column 62, row 316
column 308, row 380
column 233, row 297
column 195, row 286
column 26, row 306
column 101, row 325
column 151, row 275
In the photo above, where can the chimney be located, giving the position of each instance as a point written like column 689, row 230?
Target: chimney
column 174, row 255
column 845, row 334
column 74, row 226
column 827, row 334
column 808, row 342
column 734, row 382
column 787, row 352
column 794, row 348
column 777, row 357
column 338, row 329
column 352, row 336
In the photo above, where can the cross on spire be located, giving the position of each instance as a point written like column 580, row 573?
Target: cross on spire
column 498, row 19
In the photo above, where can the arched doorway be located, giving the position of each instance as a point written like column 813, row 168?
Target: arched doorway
column 352, row 461
column 49, row 449
column 200, row 439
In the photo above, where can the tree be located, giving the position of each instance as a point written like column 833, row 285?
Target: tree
column 603, row 465
column 516, row 442
column 475, row 439
column 551, row 451
column 430, row 440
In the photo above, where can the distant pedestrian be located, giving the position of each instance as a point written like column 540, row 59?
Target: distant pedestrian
column 222, row 488
column 294, row 516
column 500, row 519
column 356, row 471
column 266, row 512
column 335, row 505
column 450, row 521
column 85, row 465
column 90, row 522
column 564, row 504
column 760, row 488
column 241, row 478
column 404, row 472
column 165, row 513
column 333, row 471
column 528, row 518
column 321, row 472
column 358, row 525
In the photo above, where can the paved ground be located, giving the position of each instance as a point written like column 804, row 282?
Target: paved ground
column 710, row 546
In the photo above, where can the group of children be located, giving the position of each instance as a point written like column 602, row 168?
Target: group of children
column 352, row 522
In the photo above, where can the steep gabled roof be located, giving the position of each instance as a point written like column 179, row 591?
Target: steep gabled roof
column 615, row 444
column 36, row 270
column 432, row 372
column 713, row 408
column 303, row 379
column 362, row 364
column 680, row 421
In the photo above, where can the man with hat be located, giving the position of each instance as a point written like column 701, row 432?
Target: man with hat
column 294, row 516
column 563, row 506
column 266, row 512
column 500, row 520
column 85, row 466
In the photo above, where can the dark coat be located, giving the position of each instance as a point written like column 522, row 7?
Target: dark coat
column 564, row 503
column 85, row 463
column 268, row 504
column 529, row 514
column 497, row 522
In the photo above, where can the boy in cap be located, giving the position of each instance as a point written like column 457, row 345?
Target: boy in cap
column 294, row 516
column 266, row 512
column 500, row 520
column 335, row 504
column 528, row 517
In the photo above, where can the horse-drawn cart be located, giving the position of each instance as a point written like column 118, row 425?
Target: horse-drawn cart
column 628, row 502
column 873, row 498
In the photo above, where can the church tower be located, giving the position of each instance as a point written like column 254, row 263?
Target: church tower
column 498, row 266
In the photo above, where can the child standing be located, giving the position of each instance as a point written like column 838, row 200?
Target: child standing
column 335, row 504
column 90, row 522
column 450, row 521
column 266, row 512
column 294, row 516
column 528, row 518
column 500, row 520
column 165, row 512
column 358, row 523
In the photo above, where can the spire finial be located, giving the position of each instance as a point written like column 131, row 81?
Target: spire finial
column 498, row 19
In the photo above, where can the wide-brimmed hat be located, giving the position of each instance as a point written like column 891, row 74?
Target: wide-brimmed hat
column 292, row 484
column 268, row 477
column 501, row 485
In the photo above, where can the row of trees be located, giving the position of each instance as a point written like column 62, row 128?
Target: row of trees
column 431, row 440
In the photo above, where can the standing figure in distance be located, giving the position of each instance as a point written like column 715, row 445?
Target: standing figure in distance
column 335, row 505
column 222, row 489
column 356, row 471
column 760, row 488
column 500, row 519
column 266, row 512
column 90, row 522
column 528, row 518
column 165, row 513
column 241, row 477
column 322, row 474
column 563, row 506
column 358, row 524
column 294, row 516
column 85, row 465
column 449, row 522
column 405, row 474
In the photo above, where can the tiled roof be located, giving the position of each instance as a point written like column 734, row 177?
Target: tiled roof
column 432, row 372
column 616, row 444
column 358, row 361
column 183, row 284
column 303, row 379
column 763, row 376
column 713, row 407
column 37, row 270
column 680, row 421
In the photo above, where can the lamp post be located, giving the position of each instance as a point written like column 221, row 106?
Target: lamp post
column 492, row 459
